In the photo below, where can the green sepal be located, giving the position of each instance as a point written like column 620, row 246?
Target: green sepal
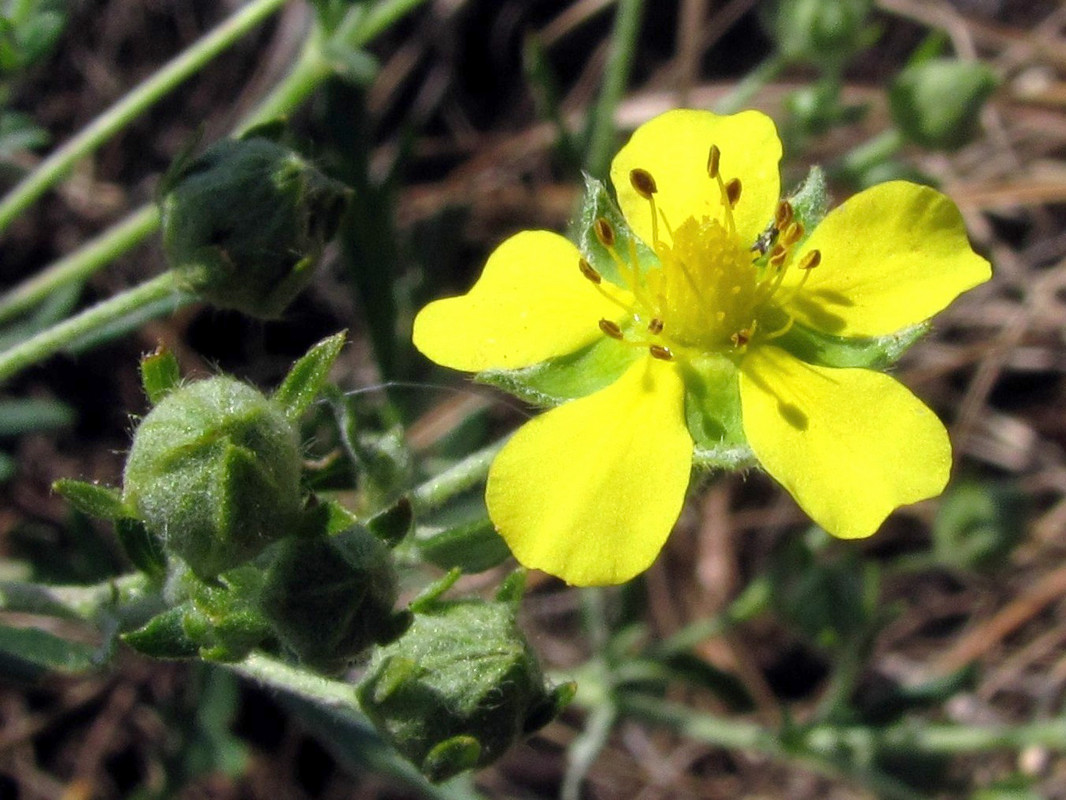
column 338, row 518
column 463, row 669
column 308, row 375
column 164, row 635
column 143, row 549
column 824, row 349
column 273, row 130
column 394, row 523
column 101, row 502
column 598, row 204
column 713, row 414
column 568, row 377
column 160, row 374
column 810, row 203
column 512, row 589
column 450, row 757
column 461, row 536
column 328, row 599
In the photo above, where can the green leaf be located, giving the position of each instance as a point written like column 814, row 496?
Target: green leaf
column 160, row 374
column 18, row 417
column 308, row 375
column 8, row 467
column 102, row 502
column 28, row 654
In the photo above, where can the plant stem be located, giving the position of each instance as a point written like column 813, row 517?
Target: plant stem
column 750, row 85
column 456, row 479
column 81, row 264
column 186, row 64
column 601, row 143
column 50, row 341
column 309, row 72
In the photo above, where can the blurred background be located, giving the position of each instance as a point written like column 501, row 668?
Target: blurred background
column 460, row 124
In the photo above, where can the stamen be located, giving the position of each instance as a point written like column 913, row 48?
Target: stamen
column 792, row 234
column 743, row 336
column 655, row 327
column 732, row 192
column 713, row 158
column 810, row 261
column 610, row 328
column 643, row 183
column 778, row 256
column 660, row 352
column 783, row 214
column 604, row 232
column 589, row 271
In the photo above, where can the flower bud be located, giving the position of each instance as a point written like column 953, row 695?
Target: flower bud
column 458, row 688
column 824, row 32
column 245, row 222
column 937, row 104
column 329, row 598
column 214, row 472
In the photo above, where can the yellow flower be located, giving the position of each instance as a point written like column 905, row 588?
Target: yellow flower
column 698, row 317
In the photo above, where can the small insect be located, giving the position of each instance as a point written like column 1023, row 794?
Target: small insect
column 766, row 240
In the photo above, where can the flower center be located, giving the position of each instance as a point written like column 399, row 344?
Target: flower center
column 709, row 291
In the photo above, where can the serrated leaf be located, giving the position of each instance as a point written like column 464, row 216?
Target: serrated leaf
column 308, row 375
column 102, row 502
column 160, row 374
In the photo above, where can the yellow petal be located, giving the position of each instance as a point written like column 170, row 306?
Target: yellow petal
column 891, row 257
column 590, row 490
column 530, row 304
column 849, row 444
column 673, row 148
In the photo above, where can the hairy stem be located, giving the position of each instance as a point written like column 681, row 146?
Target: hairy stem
column 54, row 168
column 52, row 340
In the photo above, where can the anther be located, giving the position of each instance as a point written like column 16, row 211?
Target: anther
column 792, row 234
column 643, row 183
column 655, row 327
column 610, row 329
column 660, row 352
column 741, row 338
column 783, row 214
column 732, row 192
column 810, row 261
column 604, row 232
column 778, row 256
column 589, row 271
column 713, row 157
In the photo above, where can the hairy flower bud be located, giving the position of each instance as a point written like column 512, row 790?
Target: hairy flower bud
column 214, row 472
column 458, row 688
column 245, row 222
column 938, row 103
column 329, row 598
